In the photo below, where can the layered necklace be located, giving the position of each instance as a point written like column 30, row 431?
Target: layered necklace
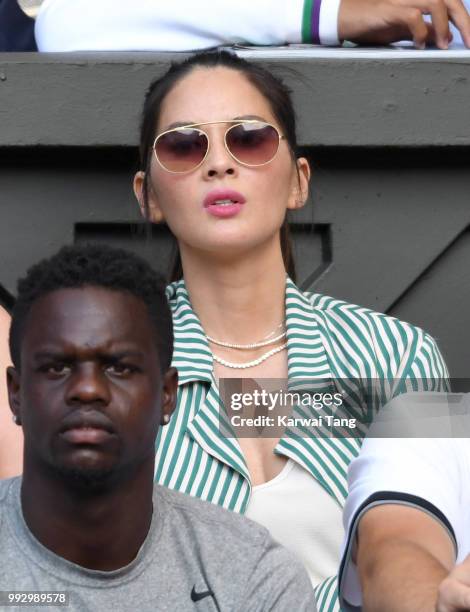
column 271, row 338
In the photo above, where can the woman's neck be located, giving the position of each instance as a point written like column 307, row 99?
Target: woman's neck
column 241, row 300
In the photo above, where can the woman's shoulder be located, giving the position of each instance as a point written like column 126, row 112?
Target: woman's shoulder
column 398, row 346
column 386, row 333
column 333, row 308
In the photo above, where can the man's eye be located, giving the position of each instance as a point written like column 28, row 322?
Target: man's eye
column 120, row 369
column 57, row 369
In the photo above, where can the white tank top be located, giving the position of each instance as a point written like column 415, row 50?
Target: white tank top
column 301, row 515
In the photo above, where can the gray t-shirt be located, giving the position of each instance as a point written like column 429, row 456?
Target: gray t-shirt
column 193, row 547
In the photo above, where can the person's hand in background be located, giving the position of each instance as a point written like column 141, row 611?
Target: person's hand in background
column 454, row 591
column 382, row 22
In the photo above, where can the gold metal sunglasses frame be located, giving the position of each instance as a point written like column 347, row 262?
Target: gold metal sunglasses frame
column 235, row 123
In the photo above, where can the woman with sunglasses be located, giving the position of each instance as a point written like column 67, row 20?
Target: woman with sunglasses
column 219, row 166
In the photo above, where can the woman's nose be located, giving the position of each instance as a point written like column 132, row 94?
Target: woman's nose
column 218, row 161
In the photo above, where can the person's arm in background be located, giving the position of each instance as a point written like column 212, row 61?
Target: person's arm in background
column 406, row 519
column 403, row 555
column 406, row 547
column 406, row 563
column 11, row 436
column 84, row 25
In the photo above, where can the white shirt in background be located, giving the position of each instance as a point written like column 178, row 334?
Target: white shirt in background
column 429, row 473
column 186, row 25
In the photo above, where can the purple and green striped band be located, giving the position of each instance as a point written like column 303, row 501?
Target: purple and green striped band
column 311, row 22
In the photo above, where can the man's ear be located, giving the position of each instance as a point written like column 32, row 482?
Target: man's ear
column 13, row 386
column 300, row 183
column 170, row 389
column 150, row 210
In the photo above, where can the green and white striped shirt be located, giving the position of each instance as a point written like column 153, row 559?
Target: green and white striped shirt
column 326, row 339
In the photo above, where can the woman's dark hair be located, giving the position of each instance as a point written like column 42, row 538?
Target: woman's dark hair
column 274, row 91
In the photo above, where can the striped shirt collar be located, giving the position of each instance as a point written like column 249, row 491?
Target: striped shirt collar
column 306, row 358
column 192, row 355
column 307, row 361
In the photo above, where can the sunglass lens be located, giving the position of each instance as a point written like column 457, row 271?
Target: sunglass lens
column 181, row 150
column 253, row 144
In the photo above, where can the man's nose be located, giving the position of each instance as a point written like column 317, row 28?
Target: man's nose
column 88, row 384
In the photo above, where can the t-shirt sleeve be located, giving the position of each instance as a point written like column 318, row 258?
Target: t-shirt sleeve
column 278, row 583
column 421, row 473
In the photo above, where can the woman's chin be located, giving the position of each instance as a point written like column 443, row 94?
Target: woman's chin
column 228, row 248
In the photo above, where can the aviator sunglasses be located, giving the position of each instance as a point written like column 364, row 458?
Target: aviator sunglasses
column 249, row 141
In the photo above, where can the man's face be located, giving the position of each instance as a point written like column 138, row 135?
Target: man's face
column 90, row 393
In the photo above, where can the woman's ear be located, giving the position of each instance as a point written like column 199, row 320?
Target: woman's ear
column 300, row 183
column 149, row 210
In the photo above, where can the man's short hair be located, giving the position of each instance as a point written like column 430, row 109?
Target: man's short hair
column 94, row 265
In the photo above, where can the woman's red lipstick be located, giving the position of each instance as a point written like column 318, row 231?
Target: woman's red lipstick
column 223, row 203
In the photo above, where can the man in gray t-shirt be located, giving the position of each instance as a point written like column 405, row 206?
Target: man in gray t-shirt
column 91, row 344
column 196, row 557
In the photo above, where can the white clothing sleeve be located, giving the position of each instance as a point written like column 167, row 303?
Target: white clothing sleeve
column 149, row 25
column 88, row 25
column 426, row 473
column 328, row 27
